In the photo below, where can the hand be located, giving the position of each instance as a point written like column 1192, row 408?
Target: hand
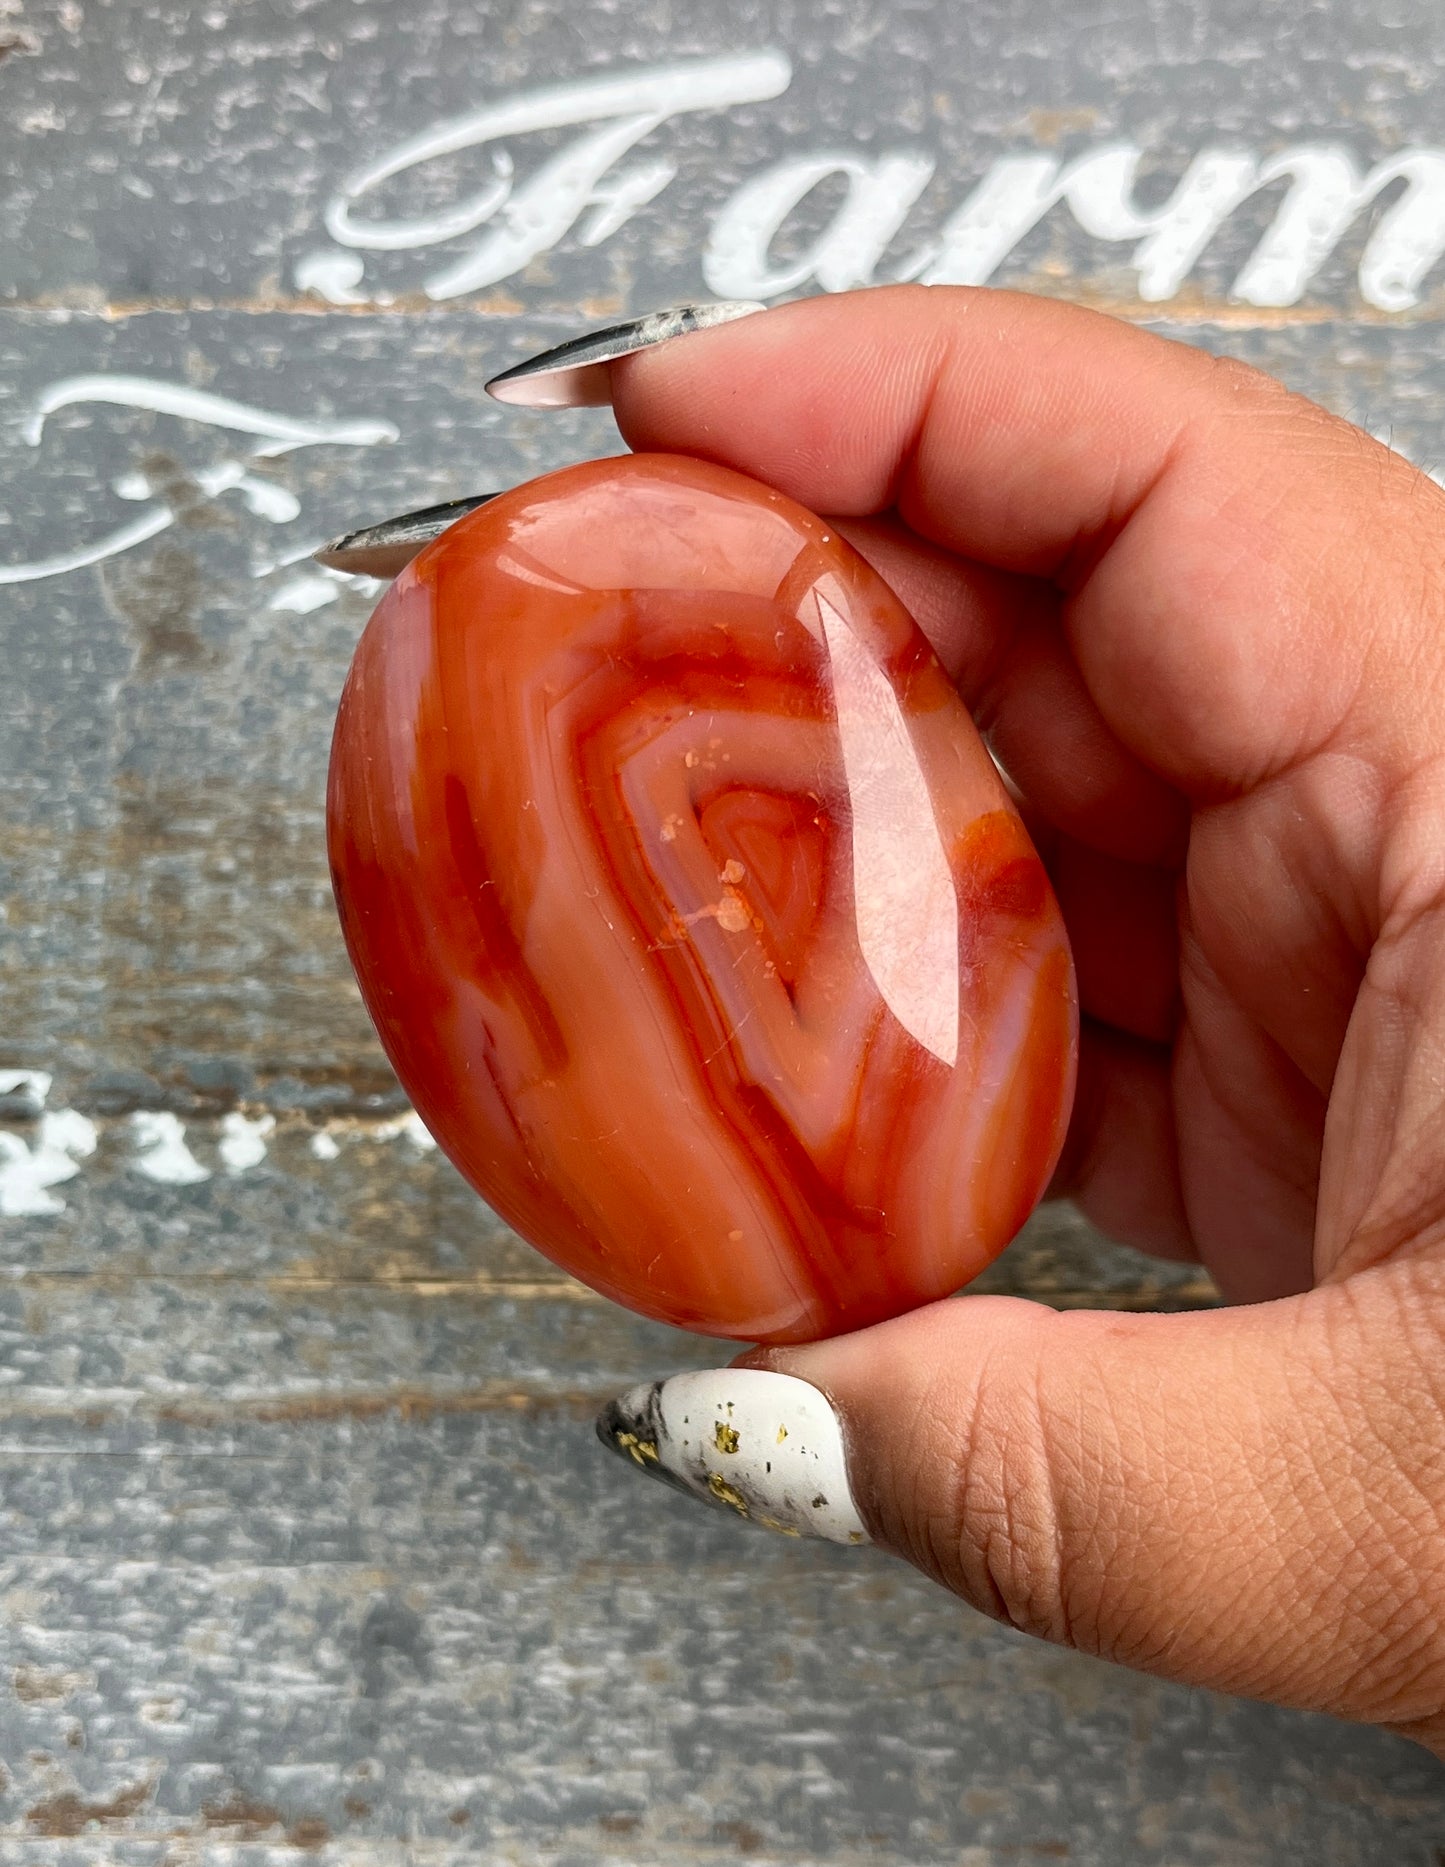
column 1202, row 623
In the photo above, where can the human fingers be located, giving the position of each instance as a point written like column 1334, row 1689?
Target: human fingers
column 1189, row 508
column 997, row 635
column 1250, row 593
column 1250, row 1500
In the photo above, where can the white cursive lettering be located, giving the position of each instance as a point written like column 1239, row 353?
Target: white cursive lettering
column 881, row 190
column 279, row 433
column 275, row 435
column 1328, row 193
column 583, row 186
column 534, row 216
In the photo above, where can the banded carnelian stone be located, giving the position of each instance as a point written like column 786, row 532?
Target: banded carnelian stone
column 690, row 908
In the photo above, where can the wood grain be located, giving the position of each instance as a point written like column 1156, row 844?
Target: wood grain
column 306, row 1549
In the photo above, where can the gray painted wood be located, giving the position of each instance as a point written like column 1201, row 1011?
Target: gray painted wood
column 306, row 1550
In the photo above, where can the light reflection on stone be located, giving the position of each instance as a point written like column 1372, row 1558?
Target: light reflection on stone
column 690, row 908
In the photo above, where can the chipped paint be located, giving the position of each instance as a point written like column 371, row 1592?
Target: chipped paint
column 243, row 1140
column 308, row 591
column 47, row 1147
column 161, row 1153
column 63, row 1138
column 67, row 1815
column 408, row 1127
column 31, row 1087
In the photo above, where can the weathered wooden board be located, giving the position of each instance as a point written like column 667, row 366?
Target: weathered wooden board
column 306, row 1549
column 459, row 1636
column 169, row 931
column 175, row 153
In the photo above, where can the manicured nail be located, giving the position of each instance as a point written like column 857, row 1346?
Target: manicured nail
column 385, row 550
column 574, row 374
column 764, row 1445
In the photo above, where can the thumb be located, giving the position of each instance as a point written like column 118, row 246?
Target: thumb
column 1251, row 1500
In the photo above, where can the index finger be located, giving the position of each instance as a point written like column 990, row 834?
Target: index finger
column 957, row 406
column 1194, row 513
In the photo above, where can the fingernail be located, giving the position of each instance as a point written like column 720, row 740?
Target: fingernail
column 385, row 550
column 766, row 1446
column 574, row 374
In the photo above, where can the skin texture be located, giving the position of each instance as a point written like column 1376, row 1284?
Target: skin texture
column 1200, row 621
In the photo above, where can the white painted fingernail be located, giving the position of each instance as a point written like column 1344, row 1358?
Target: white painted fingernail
column 575, row 375
column 767, row 1446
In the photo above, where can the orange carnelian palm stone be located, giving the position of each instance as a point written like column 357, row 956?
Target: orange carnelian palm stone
column 691, row 909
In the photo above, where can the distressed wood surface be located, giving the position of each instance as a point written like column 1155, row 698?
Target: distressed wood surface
column 306, row 1550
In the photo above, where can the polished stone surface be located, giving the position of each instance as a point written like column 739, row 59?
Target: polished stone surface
column 304, row 1526
column 691, row 909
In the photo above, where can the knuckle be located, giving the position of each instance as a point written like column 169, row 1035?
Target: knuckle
column 999, row 1537
column 1235, row 380
column 1293, row 1548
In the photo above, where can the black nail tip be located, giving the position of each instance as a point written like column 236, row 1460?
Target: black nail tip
column 631, row 1427
column 600, row 346
column 630, row 1420
column 385, row 549
column 591, row 351
column 591, row 347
